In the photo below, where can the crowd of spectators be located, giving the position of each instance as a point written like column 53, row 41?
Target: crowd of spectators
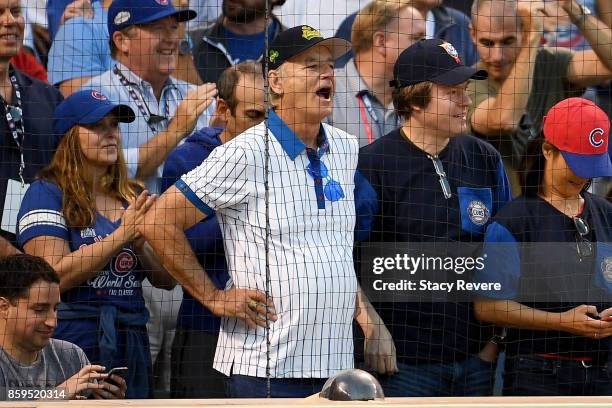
column 134, row 185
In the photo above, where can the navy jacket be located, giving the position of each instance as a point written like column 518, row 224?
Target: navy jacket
column 205, row 237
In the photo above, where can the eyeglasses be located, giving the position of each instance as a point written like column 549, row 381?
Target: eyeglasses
column 584, row 247
column 331, row 188
column 440, row 172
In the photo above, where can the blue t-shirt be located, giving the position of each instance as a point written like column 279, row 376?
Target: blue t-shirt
column 246, row 47
column 205, row 237
column 410, row 206
column 81, row 48
column 118, row 282
column 532, row 251
column 55, row 9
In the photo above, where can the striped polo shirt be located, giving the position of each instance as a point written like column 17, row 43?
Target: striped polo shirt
column 312, row 279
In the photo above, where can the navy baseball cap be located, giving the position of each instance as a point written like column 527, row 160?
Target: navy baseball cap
column 296, row 40
column 87, row 107
column 124, row 13
column 432, row 60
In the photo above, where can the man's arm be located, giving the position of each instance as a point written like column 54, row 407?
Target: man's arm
column 164, row 228
column 594, row 66
column 70, row 86
column 153, row 153
column 379, row 348
column 503, row 112
column 604, row 11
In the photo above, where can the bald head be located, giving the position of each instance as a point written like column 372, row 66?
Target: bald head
column 496, row 31
column 498, row 10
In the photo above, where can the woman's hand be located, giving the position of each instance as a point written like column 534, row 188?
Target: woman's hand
column 133, row 216
column 584, row 320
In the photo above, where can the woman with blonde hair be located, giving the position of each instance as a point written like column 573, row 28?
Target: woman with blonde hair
column 81, row 217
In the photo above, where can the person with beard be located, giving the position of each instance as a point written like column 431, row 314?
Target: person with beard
column 238, row 35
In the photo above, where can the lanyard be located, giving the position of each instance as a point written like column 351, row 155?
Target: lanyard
column 14, row 119
column 150, row 118
column 365, row 104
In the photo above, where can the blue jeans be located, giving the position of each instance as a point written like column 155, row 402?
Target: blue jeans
column 536, row 376
column 242, row 386
column 470, row 377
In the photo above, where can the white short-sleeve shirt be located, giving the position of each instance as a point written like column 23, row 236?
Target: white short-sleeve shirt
column 312, row 278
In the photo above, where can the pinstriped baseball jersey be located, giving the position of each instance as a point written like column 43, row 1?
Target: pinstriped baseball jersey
column 312, row 279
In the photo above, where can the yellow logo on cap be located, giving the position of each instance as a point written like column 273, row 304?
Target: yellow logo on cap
column 450, row 50
column 309, row 33
column 273, row 55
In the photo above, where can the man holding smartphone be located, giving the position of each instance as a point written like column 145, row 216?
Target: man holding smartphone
column 32, row 364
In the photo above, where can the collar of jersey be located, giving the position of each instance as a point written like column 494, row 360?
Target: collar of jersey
column 291, row 144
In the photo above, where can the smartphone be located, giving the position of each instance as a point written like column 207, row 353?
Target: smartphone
column 120, row 371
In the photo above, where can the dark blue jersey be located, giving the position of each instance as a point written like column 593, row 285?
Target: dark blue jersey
column 409, row 205
column 533, row 251
column 119, row 281
column 205, row 237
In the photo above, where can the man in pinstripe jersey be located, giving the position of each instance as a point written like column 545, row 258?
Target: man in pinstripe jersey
column 294, row 238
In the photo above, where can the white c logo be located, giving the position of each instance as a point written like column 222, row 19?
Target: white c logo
column 595, row 137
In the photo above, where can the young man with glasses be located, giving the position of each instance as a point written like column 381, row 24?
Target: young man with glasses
column 550, row 249
column 433, row 185
column 283, row 193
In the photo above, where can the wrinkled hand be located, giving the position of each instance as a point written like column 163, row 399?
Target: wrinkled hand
column 248, row 305
column 85, row 379
column 133, row 216
column 111, row 391
column 578, row 321
column 379, row 350
column 78, row 8
column 192, row 107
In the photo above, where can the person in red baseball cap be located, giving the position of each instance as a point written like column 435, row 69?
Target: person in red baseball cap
column 580, row 130
column 550, row 252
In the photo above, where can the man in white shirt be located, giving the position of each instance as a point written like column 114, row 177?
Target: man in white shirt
column 283, row 194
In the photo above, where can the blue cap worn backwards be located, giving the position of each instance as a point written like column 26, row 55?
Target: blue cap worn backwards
column 87, row 107
column 124, row 13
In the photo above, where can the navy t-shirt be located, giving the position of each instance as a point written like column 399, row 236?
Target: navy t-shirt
column 411, row 207
column 550, row 274
column 244, row 47
column 118, row 282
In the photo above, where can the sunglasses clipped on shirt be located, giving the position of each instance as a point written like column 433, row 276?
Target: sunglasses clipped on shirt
column 331, row 188
column 446, row 189
column 584, row 247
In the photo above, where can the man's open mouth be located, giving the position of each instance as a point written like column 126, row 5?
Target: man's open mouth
column 325, row 93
